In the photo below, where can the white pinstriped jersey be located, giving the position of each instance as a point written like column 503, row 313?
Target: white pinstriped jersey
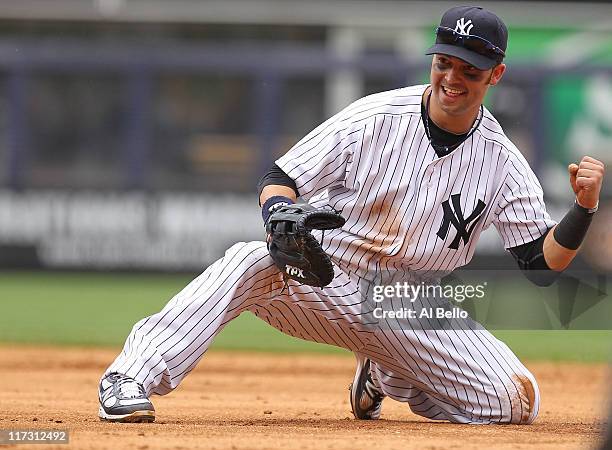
column 374, row 163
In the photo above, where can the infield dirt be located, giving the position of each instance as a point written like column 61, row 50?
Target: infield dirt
column 272, row 401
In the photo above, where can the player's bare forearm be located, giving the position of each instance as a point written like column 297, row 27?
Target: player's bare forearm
column 557, row 257
column 586, row 179
column 274, row 189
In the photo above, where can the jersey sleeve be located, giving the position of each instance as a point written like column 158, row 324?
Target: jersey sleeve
column 521, row 215
column 324, row 157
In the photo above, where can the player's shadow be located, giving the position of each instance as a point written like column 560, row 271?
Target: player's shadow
column 302, row 422
column 411, row 423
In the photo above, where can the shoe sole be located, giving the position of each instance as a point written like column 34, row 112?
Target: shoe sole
column 357, row 385
column 143, row 416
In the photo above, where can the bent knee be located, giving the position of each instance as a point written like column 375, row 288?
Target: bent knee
column 524, row 399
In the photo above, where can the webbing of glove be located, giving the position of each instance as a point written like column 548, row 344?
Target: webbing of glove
column 294, row 249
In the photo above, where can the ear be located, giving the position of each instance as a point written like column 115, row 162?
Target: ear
column 497, row 73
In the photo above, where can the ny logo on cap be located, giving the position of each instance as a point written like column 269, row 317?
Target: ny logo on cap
column 464, row 27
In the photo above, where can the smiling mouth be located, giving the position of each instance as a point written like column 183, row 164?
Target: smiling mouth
column 452, row 92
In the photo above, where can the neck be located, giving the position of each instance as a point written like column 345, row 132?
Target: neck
column 457, row 124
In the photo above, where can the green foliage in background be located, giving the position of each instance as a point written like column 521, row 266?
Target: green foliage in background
column 100, row 309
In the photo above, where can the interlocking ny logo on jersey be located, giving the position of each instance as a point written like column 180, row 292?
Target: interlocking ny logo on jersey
column 453, row 215
column 464, row 27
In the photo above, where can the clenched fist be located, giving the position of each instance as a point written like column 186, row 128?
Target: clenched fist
column 586, row 179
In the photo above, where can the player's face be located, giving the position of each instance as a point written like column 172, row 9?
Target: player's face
column 458, row 90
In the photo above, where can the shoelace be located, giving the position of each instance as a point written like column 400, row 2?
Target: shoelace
column 129, row 388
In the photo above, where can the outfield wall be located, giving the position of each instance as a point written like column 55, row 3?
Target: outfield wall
column 130, row 140
column 170, row 231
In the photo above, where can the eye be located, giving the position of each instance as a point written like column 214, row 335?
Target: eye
column 472, row 73
column 442, row 64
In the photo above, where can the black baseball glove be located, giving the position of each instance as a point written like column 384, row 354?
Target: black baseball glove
column 294, row 249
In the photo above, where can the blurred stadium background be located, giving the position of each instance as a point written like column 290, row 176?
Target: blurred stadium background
column 133, row 132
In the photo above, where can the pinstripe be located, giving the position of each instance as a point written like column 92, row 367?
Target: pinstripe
column 168, row 310
column 374, row 163
column 425, row 230
column 446, row 356
column 494, row 356
column 210, row 322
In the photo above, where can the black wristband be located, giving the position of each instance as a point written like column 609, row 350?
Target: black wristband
column 572, row 229
column 276, row 176
column 272, row 204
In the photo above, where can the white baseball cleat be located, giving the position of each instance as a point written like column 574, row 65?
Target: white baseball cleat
column 122, row 399
column 366, row 399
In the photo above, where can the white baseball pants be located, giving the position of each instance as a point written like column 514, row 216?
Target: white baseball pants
column 459, row 376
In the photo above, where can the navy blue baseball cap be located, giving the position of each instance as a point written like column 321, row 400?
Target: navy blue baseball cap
column 472, row 34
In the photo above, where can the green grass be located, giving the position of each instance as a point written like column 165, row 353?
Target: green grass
column 555, row 345
column 93, row 309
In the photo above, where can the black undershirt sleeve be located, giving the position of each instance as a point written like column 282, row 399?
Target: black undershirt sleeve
column 530, row 258
column 276, row 175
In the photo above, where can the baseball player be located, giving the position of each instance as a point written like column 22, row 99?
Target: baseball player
column 416, row 175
